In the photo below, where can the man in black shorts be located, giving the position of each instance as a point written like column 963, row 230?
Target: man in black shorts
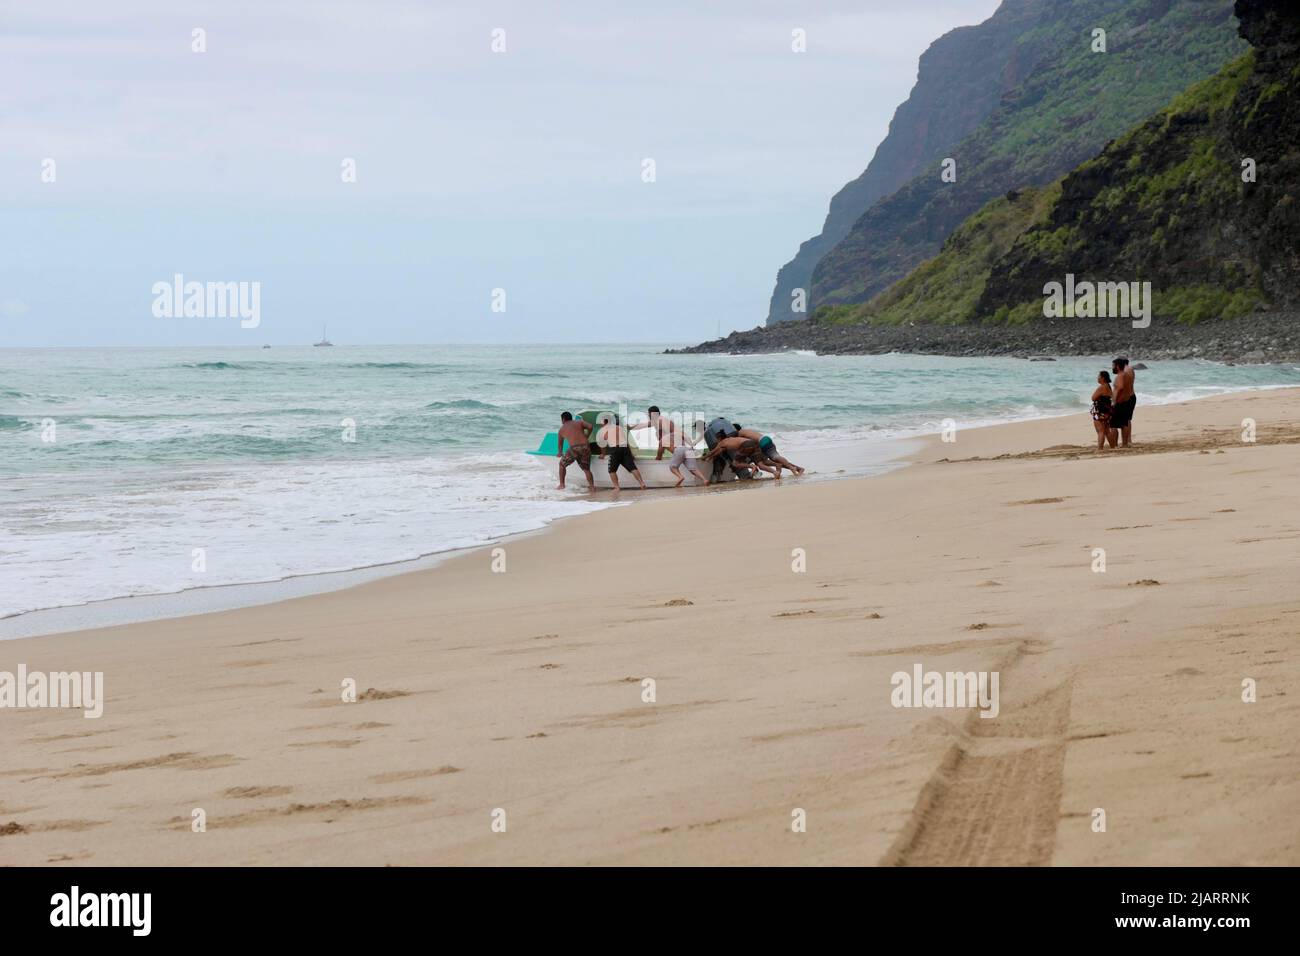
column 1121, row 416
column 612, row 438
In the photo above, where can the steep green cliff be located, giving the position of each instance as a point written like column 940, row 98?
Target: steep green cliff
column 960, row 81
column 1063, row 112
column 1170, row 202
column 1173, row 202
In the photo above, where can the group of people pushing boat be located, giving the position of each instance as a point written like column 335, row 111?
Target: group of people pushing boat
column 742, row 448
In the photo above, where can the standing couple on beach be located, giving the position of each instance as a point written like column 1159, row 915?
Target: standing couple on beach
column 1112, row 408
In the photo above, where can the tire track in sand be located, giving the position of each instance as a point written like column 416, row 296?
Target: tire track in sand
column 995, row 798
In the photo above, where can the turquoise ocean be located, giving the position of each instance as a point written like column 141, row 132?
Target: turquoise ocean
column 123, row 470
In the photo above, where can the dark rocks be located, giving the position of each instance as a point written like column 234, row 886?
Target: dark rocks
column 1260, row 337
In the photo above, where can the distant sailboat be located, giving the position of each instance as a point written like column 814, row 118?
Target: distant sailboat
column 323, row 339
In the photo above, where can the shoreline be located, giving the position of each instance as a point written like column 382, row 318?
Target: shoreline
column 206, row 599
column 1260, row 338
column 524, row 690
column 212, row 598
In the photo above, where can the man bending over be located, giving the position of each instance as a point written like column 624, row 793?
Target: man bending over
column 577, row 433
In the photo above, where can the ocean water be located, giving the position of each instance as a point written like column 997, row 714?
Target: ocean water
column 119, row 466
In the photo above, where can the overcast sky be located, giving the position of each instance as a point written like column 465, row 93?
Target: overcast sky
column 476, row 170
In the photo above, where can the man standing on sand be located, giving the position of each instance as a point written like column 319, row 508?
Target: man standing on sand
column 612, row 437
column 576, row 433
column 1121, row 416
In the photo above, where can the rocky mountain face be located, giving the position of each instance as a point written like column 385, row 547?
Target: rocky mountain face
column 1073, row 100
column 960, row 81
column 1202, row 200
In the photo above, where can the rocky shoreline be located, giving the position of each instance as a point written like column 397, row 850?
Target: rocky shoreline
column 1258, row 338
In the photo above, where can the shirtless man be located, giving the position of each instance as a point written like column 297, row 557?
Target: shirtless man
column 577, row 433
column 1121, row 416
column 768, row 448
column 743, row 452
column 661, row 425
column 684, row 458
column 612, row 438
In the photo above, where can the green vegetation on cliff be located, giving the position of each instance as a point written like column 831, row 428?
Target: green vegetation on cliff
column 1062, row 113
column 947, row 288
column 960, row 80
column 1199, row 200
column 1167, row 203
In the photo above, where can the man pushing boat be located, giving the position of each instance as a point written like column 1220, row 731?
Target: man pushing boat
column 743, row 452
column 578, row 434
column 612, row 440
column 768, row 449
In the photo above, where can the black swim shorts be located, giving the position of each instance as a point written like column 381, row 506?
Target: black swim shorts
column 1122, row 414
column 621, row 455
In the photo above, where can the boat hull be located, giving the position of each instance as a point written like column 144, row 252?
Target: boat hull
column 654, row 472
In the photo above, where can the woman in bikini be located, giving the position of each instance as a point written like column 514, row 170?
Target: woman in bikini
column 1101, row 405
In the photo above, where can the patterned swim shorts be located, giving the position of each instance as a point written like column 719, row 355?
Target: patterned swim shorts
column 579, row 453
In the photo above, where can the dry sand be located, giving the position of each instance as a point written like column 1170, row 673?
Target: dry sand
column 523, row 690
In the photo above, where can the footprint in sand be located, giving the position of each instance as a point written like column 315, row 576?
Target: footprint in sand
column 245, row 793
column 374, row 694
column 175, row 761
column 337, row 744
column 395, row 776
column 274, row 640
column 328, row 811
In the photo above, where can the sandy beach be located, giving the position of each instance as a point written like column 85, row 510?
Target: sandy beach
column 522, row 690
